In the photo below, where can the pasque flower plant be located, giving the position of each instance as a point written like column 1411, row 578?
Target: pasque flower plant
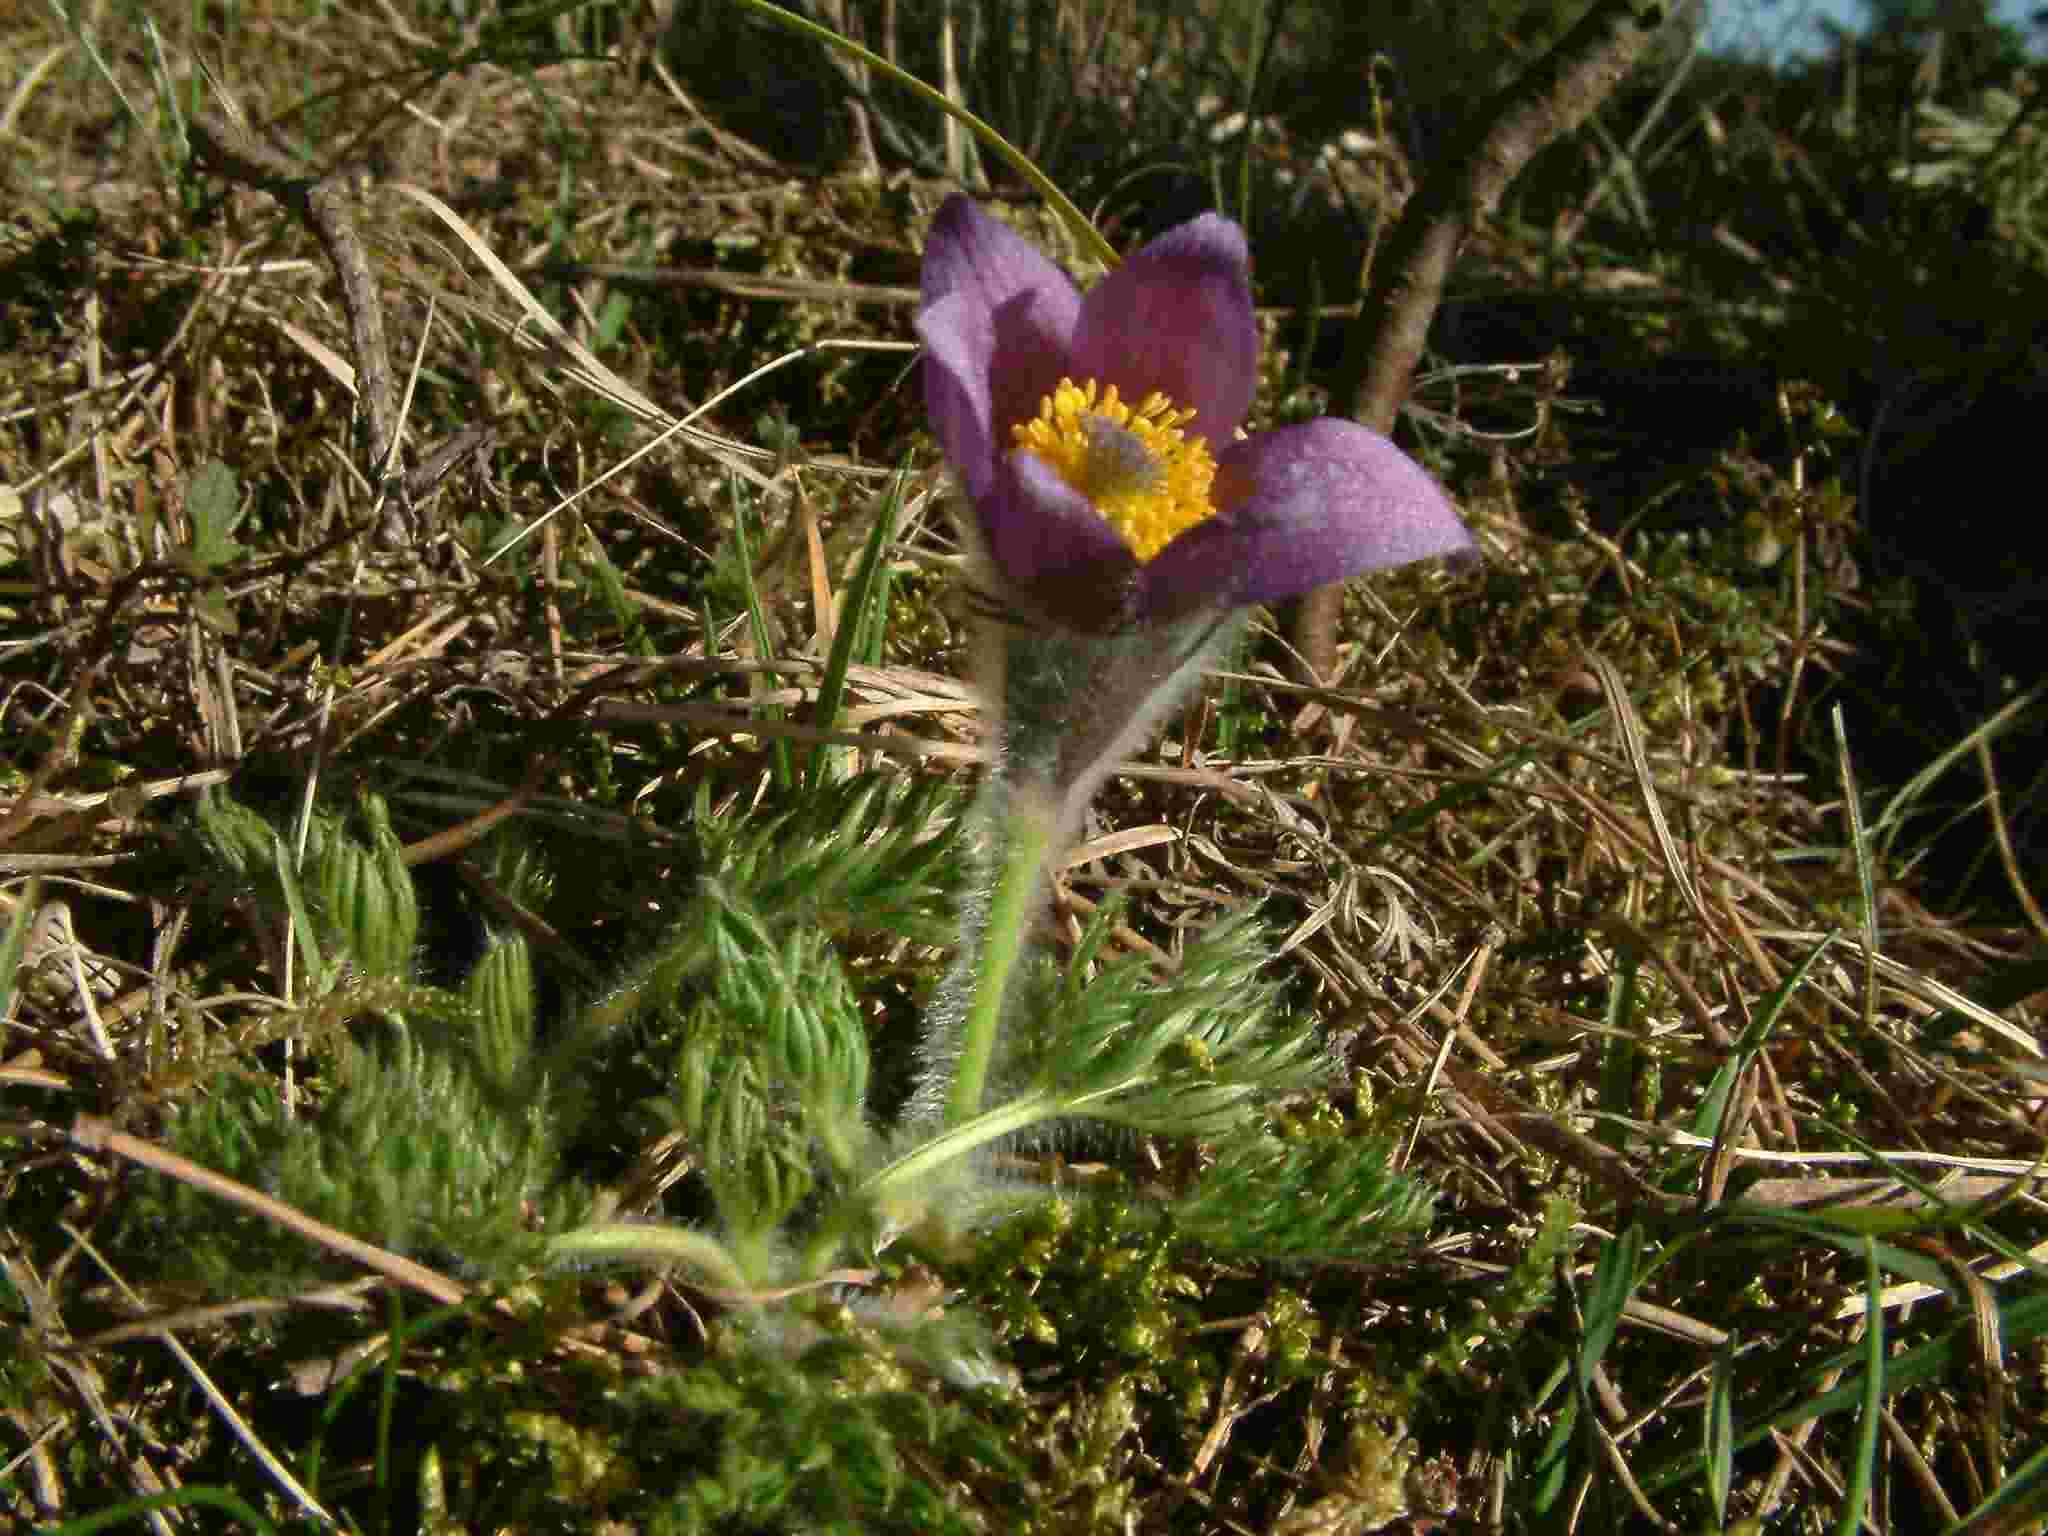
column 1119, row 521
column 1120, row 525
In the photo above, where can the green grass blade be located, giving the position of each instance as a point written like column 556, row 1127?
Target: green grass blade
column 1856, row 1497
column 1713, row 1104
column 1613, row 1280
column 1767, row 1016
column 2023, row 1496
column 1947, row 1214
column 343, row 1392
column 861, row 619
column 387, row 1402
column 2020, row 1322
column 1621, row 1057
column 122, row 1515
column 1719, row 1447
column 2003, row 985
column 1845, row 1229
column 1084, row 231
column 1892, row 819
column 1553, row 1463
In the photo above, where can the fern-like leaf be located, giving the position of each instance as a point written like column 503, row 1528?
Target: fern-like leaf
column 1317, row 1198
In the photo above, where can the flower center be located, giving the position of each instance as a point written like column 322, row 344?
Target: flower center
column 1148, row 478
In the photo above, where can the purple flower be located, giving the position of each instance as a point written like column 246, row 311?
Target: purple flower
column 1096, row 438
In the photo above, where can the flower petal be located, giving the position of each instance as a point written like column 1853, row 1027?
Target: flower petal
column 969, row 251
column 996, row 318
column 1303, row 506
column 1177, row 318
column 1053, row 553
column 959, row 341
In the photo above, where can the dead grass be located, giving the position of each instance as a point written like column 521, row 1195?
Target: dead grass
column 1565, row 863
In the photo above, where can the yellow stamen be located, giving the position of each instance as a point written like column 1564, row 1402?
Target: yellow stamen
column 1148, row 478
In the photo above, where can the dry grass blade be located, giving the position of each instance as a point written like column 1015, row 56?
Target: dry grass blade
column 96, row 1135
column 250, row 1441
column 588, row 368
column 82, row 1378
column 2001, row 832
column 1615, row 690
column 1559, row 876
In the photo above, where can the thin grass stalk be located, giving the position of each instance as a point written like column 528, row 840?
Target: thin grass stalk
column 861, row 620
column 1077, row 222
column 1856, row 1497
column 757, row 618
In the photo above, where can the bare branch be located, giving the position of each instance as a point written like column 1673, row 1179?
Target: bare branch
column 1554, row 97
column 324, row 203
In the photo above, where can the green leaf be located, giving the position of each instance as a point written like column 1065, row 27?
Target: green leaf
column 611, row 321
column 1321, row 1198
column 16, row 941
column 213, row 505
column 211, row 608
column 1198, row 1054
column 500, row 988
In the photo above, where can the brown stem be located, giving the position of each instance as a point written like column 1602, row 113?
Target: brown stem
column 1557, row 93
column 325, row 205
column 93, row 1134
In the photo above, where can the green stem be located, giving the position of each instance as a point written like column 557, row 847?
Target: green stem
column 879, row 1198
column 625, row 1242
column 920, row 1161
column 1019, row 1114
column 1027, row 831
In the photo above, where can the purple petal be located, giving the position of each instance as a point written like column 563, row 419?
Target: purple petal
column 996, row 318
column 1052, row 550
column 959, row 339
column 1177, row 318
column 968, row 251
column 983, row 372
column 1302, row 507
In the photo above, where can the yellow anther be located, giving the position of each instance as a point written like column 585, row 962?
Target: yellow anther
column 1148, row 478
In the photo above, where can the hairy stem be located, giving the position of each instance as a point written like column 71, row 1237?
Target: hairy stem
column 1066, row 707
column 1028, row 832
